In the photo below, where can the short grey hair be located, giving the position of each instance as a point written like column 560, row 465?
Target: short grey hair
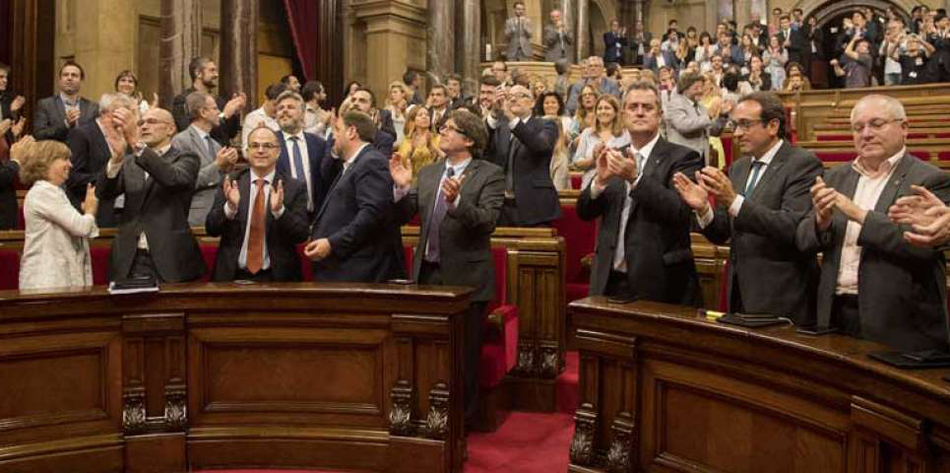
column 109, row 102
column 894, row 107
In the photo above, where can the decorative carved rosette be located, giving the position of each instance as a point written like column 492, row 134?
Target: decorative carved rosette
column 621, row 449
column 176, row 410
column 437, row 421
column 549, row 362
column 582, row 444
column 133, row 413
column 400, row 414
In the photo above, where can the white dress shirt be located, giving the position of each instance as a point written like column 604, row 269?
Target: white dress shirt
column 305, row 157
column 620, row 262
column 766, row 159
column 231, row 212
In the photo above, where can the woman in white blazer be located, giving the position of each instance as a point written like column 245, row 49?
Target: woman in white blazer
column 56, row 240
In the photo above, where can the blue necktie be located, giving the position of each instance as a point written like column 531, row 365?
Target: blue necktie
column 301, row 174
column 211, row 149
column 756, row 167
column 435, row 223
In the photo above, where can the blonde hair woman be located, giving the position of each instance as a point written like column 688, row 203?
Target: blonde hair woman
column 712, row 94
column 608, row 131
column 396, row 102
column 421, row 145
column 56, row 240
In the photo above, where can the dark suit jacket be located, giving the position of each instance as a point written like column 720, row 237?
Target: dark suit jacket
column 223, row 133
column 385, row 133
column 465, row 250
column 316, row 152
column 50, row 116
column 6, row 101
column 9, row 211
column 798, row 44
column 281, row 235
column 531, row 149
column 90, row 154
column 657, row 249
column 356, row 217
column 159, row 207
column 613, row 47
column 902, row 289
column 773, row 276
column 650, row 62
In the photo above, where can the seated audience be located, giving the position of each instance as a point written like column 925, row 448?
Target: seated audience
column 874, row 284
column 216, row 161
column 56, row 239
column 608, row 132
column 650, row 258
column 154, row 240
column 56, row 116
column 261, row 216
column 421, row 146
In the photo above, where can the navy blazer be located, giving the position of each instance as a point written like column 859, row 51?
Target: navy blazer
column 532, row 145
column 357, row 218
column 317, row 150
column 613, row 47
column 9, row 211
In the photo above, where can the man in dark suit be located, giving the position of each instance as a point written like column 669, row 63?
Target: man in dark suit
column 874, row 284
column 458, row 200
column 56, row 116
column 615, row 41
column 772, row 182
column 364, row 100
column 204, row 78
column 260, row 216
column 90, row 153
column 793, row 39
column 522, row 145
column 9, row 176
column 301, row 153
column 154, row 239
column 354, row 235
column 643, row 245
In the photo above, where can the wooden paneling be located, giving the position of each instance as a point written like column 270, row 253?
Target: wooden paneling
column 354, row 377
column 665, row 389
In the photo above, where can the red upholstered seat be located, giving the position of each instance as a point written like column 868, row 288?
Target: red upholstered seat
column 306, row 269
column 942, row 135
column 727, row 150
column 209, row 251
column 100, row 264
column 499, row 350
column 576, row 180
column 9, row 269
column 580, row 237
column 20, row 220
column 824, row 137
column 920, row 154
column 943, row 156
column 835, row 156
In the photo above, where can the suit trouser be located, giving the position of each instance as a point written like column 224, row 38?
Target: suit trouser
column 430, row 273
column 143, row 267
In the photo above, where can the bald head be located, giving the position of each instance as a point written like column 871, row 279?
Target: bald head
column 157, row 128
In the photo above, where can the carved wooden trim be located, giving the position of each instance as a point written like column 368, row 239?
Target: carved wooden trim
column 550, row 362
column 400, row 414
column 526, row 359
column 176, row 409
column 133, row 412
column 437, row 421
column 621, row 448
column 582, row 443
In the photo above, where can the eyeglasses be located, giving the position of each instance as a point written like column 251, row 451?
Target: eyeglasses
column 263, row 146
column 744, row 124
column 447, row 127
column 876, row 124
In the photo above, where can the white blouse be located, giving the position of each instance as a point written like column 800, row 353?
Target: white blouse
column 56, row 241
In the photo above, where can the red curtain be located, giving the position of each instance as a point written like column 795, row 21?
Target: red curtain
column 303, row 17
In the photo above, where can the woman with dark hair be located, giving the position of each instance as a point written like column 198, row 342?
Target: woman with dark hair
column 550, row 106
column 704, row 51
column 127, row 84
column 350, row 88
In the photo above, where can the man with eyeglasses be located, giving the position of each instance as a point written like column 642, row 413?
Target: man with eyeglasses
column 216, row 160
column 261, row 216
column 643, row 242
column 874, row 284
column 154, row 240
column 522, row 145
column 458, row 200
column 758, row 209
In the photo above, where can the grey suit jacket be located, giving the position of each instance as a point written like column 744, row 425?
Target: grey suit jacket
column 465, row 250
column 689, row 125
column 210, row 175
column 902, row 289
column 772, row 275
column 559, row 46
column 519, row 39
column 49, row 119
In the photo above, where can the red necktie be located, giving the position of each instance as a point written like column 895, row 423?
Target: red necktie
column 255, row 238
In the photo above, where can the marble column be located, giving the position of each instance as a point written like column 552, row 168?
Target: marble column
column 394, row 40
column 440, row 47
column 470, row 18
column 583, row 30
column 181, row 41
column 104, row 43
column 238, row 68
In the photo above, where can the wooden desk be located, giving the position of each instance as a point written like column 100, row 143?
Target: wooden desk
column 662, row 389
column 361, row 377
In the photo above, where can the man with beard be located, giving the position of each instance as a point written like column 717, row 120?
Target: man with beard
column 302, row 154
column 56, row 116
column 204, row 78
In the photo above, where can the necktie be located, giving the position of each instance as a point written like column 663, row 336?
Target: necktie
column 756, row 167
column 435, row 223
column 211, row 149
column 298, row 160
column 255, row 238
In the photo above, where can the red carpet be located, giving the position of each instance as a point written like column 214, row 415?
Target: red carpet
column 527, row 442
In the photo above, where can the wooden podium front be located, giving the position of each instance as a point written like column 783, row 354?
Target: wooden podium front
column 664, row 389
column 356, row 377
